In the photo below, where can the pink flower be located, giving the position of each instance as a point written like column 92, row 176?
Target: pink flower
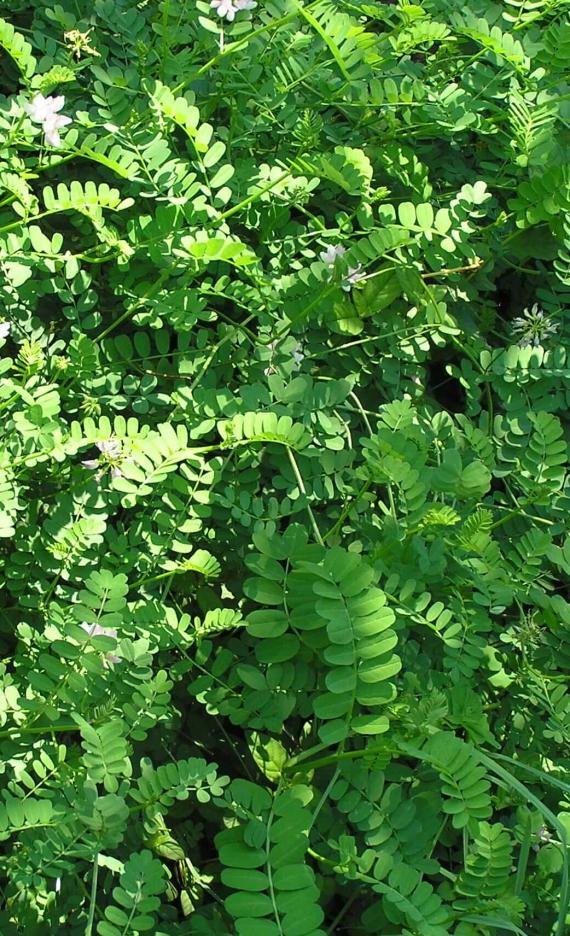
column 110, row 447
column 331, row 253
column 111, row 458
column 44, row 110
column 354, row 277
column 225, row 8
column 96, row 630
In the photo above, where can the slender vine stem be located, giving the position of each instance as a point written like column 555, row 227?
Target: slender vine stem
column 303, row 490
column 93, row 896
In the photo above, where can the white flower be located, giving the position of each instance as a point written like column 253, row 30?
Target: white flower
column 4, row 329
column 225, row 8
column 244, row 4
column 331, row 253
column 534, row 328
column 354, row 276
column 110, row 447
column 52, row 128
column 96, row 630
column 297, row 355
column 44, row 110
column 111, row 452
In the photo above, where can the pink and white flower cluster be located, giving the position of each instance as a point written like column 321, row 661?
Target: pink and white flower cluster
column 44, row 110
column 111, row 457
column 228, row 8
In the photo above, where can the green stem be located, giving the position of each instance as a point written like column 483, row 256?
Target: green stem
column 17, row 224
column 335, row 529
column 362, row 412
column 154, row 289
column 342, row 912
column 503, row 778
column 303, row 490
column 251, row 198
column 392, row 501
column 214, row 351
column 523, row 860
column 332, row 47
column 236, row 46
column 519, row 512
column 38, row 729
column 9, row 402
column 268, row 865
column 324, row 797
column 321, row 858
column 93, row 897
column 334, row 758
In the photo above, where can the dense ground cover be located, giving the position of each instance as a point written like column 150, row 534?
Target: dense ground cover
column 284, row 623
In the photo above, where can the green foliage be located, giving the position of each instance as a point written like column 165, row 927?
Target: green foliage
column 284, row 388
column 273, row 890
column 141, row 881
column 464, row 786
column 18, row 48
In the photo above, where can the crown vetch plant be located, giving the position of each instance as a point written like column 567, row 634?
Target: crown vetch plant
column 284, row 400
